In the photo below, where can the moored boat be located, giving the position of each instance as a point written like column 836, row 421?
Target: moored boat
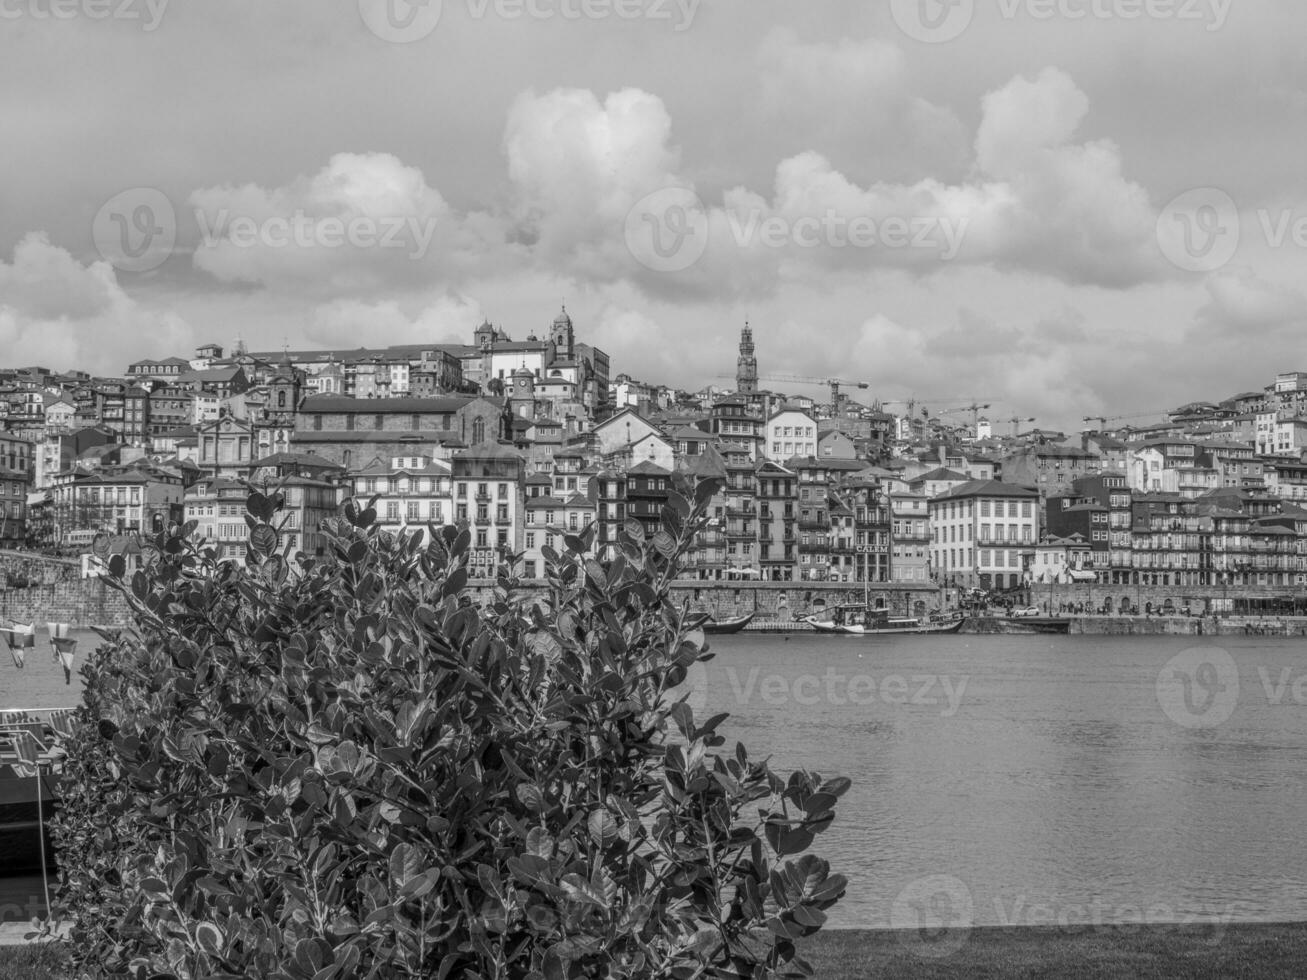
column 722, row 626
column 24, row 822
column 28, row 794
column 861, row 621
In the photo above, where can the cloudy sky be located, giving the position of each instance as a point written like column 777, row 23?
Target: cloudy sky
column 1061, row 207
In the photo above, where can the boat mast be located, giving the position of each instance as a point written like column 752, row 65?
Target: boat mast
column 866, row 588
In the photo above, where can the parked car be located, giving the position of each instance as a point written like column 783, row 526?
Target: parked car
column 1027, row 611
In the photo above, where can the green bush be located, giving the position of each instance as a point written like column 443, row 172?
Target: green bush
column 348, row 769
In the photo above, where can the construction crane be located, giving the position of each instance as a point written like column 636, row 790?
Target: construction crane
column 975, row 408
column 1102, row 420
column 1016, row 424
column 835, row 384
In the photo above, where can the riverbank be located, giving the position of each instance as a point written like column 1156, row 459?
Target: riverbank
column 1288, row 626
column 1268, row 952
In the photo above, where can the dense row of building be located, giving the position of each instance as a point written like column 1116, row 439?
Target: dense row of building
column 525, row 442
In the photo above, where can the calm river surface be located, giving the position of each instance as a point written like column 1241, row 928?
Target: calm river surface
column 1038, row 780
column 1016, row 780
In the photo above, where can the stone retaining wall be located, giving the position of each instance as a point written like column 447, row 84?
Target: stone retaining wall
column 79, row 602
column 775, row 601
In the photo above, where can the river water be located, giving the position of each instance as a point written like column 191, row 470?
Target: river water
column 1008, row 780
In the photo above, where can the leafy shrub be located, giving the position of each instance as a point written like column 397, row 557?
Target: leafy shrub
column 351, row 770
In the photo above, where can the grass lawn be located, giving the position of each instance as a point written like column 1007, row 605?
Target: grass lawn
column 33, row 963
column 1267, row 952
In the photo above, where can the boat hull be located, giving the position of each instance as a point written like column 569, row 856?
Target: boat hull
column 720, row 627
column 828, row 626
column 20, row 851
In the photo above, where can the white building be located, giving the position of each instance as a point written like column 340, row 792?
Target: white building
column 548, row 520
column 789, row 433
column 1061, row 561
column 412, row 492
column 978, row 532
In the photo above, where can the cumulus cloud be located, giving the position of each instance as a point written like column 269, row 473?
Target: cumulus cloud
column 365, row 221
column 62, row 314
column 1241, row 303
column 1036, row 201
column 45, row 282
column 578, row 166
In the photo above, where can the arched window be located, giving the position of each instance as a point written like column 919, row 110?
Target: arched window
column 478, row 431
column 281, row 399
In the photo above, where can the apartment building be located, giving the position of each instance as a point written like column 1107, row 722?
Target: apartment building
column 489, row 495
column 978, row 533
column 411, row 492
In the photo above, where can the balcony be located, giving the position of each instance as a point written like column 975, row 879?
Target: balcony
column 483, row 520
column 736, row 510
column 809, row 525
column 738, row 534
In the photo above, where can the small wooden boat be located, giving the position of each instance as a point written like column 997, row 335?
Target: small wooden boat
column 709, row 624
column 24, row 821
column 727, row 625
column 28, row 791
column 860, row 621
